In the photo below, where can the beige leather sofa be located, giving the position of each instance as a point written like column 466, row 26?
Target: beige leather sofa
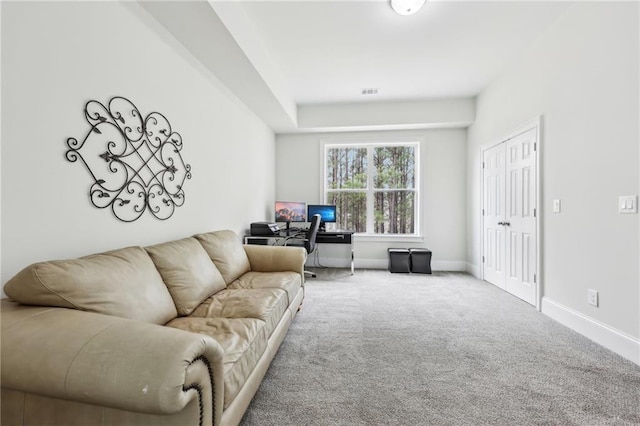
column 179, row 333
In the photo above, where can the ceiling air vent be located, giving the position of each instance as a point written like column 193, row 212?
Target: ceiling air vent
column 369, row 91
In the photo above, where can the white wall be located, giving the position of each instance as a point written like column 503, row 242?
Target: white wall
column 443, row 175
column 582, row 76
column 57, row 56
column 413, row 114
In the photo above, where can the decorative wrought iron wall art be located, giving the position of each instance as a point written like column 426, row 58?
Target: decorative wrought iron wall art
column 135, row 163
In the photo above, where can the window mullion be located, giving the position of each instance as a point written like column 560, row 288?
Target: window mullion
column 371, row 170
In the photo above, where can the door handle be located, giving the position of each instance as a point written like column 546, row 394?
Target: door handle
column 506, row 223
column 500, row 223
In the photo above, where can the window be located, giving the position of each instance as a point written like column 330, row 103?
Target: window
column 374, row 186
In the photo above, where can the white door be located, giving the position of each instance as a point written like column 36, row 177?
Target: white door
column 509, row 221
column 494, row 213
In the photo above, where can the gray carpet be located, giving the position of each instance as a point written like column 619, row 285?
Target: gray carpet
column 445, row 349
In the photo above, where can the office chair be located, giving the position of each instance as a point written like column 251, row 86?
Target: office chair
column 309, row 241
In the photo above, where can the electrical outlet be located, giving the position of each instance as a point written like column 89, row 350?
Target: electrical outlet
column 592, row 297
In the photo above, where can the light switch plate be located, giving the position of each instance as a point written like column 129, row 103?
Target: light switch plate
column 628, row 204
column 556, row 206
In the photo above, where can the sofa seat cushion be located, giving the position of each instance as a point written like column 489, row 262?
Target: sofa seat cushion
column 188, row 272
column 266, row 304
column 287, row 281
column 226, row 251
column 123, row 283
column 244, row 340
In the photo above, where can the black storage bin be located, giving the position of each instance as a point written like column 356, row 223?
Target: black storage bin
column 399, row 260
column 420, row 261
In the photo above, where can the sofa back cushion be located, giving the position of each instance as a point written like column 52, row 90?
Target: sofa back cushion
column 122, row 283
column 188, row 272
column 226, row 251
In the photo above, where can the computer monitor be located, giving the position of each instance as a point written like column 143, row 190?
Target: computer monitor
column 327, row 213
column 290, row 211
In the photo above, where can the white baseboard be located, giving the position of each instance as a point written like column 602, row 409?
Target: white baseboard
column 612, row 339
column 341, row 262
column 473, row 269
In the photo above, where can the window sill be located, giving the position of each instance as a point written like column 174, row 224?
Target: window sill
column 388, row 238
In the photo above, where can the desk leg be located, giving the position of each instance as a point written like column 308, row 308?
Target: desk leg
column 352, row 256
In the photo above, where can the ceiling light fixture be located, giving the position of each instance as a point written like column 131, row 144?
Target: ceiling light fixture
column 407, row 7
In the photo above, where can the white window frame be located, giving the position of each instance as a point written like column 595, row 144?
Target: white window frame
column 370, row 190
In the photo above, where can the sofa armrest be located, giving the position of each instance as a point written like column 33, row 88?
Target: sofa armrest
column 110, row 361
column 276, row 258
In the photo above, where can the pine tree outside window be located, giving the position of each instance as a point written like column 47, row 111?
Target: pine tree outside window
column 374, row 186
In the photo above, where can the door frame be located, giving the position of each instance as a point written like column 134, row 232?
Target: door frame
column 535, row 124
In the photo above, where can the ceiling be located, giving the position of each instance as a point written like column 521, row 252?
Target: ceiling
column 287, row 58
column 327, row 51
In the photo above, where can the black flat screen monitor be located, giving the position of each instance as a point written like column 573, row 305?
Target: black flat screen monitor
column 327, row 213
column 291, row 211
